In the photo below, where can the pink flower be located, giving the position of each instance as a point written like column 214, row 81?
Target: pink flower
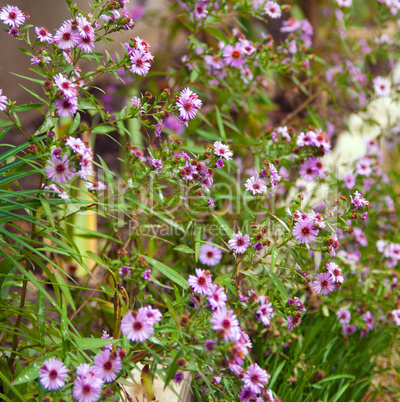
column 58, row 170
column 349, row 180
column 67, row 107
column 136, row 326
column 85, row 29
column 381, row 86
column 216, row 297
column 369, row 320
column 106, row 366
column 52, row 375
column 233, row 55
column 335, row 271
column 255, row 378
column 210, row 255
column 306, row 139
column 272, row 9
column 153, row 315
column 358, row 201
column 396, row 317
column 87, row 386
column 188, row 104
column 12, row 16
column 239, row 243
column 344, row 316
column 96, row 186
column 140, row 60
column 222, row 150
column 43, row 34
column 69, row 89
column 86, row 44
column 3, row 100
column 226, row 322
column 66, row 38
column 201, row 282
column 265, row 311
column 304, row 231
column 344, row 3
column 360, row 237
column 255, row 185
column 308, row 171
column 323, row 284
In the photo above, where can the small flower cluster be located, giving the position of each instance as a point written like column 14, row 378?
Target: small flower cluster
column 140, row 57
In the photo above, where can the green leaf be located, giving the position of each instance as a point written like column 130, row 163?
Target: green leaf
column 184, row 249
column 12, row 388
column 197, row 244
column 6, row 123
column 75, row 123
column 168, row 272
column 278, row 284
column 93, row 343
column 41, row 315
column 220, row 124
column 224, row 225
column 26, row 107
column 30, row 373
column 173, row 367
column 274, row 257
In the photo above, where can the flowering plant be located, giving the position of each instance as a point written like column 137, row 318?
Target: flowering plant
column 227, row 249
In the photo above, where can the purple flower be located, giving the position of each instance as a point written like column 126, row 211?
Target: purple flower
column 358, row 200
column 52, row 374
column 65, row 37
column 188, row 104
column 87, row 386
column 323, row 283
column 153, row 315
column 216, row 296
column 157, row 164
column 107, row 366
column 246, row 394
column 43, row 34
column 335, row 271
column 67, row 107
column 179, row 377
column 201, row 282
column 233, row 55
column 69, row 89
column 349, row 329
column 219, row 164
column 210, row 255
column 239, row 243
column 344, row 316
column 125, row 271
column 222, row 150
column 136, row 326
column 12, row 16
column 210, row 202
column 258, row 247
column 209, row 345
column 255, row 185
column 272, row 9
column 369, row 320
column 3, row 100
column 304, row 231
column 58, row 170
column 226, row 322
column 147, row 275
column 265, row 311
column 140, row 60
column 255, row 378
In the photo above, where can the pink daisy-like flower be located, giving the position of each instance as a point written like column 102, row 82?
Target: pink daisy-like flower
column 274, row 176
column 157, row 164
column 381, row 86
column 140, row 60
column 125, row 271
column 216, row 297
column 200, row 10
column 304, row 231
column 225, row 321
column 86, row 167
column 85, row 28
column 96, row 186
column 201, row 282
column 210, row 255
column 255, row 378
column 323, row 283
column 308, row 171
column 12, row 16
column 52, row 375
column 188, row 104
column 67, row 107
column 247, row 394
column 3, row 100
column 233, row 55
column 344, row 316
column 87, row 386
column 86, row 44
column 396, row 317
column 77, row 145
column 66, row 38
column 222, row 150
column 43, row 34
column 358, row 201
column 360, row 237
column 106, row 366
column 306, row 139
column 58, row 170
column 335, row 271
column 272, row 9
column 68, row 88
column 255, row 185
column 265, row 311
column 369, row 320
column 239, row 243
column 153, row 315
column 136, row 326
column 349, row 180
column 147, row 275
